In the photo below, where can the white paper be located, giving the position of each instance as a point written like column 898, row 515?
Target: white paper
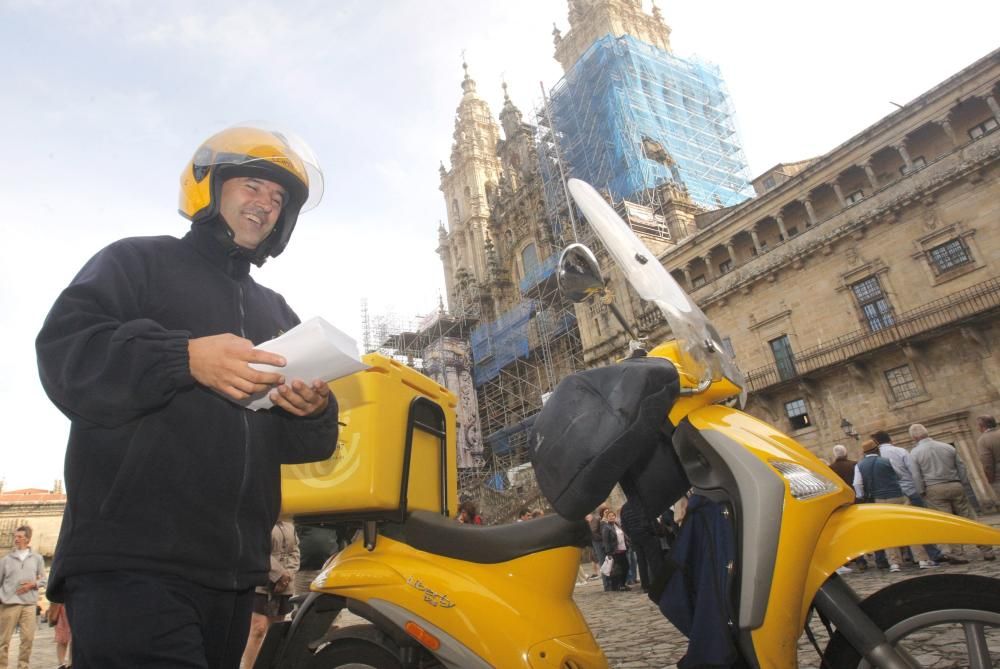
column 312, row 350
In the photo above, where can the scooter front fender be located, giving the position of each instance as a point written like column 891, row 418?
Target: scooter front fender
column 857, row 529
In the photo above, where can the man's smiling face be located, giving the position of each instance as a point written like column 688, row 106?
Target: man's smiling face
column 251, row 207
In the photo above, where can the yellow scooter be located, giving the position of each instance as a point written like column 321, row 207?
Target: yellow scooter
column 435, row 593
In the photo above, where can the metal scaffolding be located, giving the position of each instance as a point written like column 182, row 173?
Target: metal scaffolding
column 632, row 117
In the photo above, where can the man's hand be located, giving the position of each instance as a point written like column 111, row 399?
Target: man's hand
column 25, row 586
column 281, row 585
column 221, row 362
column 300, row 399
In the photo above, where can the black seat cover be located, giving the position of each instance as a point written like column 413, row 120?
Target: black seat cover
column 606, row 426
column 487, row 544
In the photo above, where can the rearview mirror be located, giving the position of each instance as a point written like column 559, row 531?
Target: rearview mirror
column 579, row 274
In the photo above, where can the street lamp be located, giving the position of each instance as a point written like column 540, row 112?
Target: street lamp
column 848, row 429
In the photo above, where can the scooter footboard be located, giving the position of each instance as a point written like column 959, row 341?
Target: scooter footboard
column 855, row 530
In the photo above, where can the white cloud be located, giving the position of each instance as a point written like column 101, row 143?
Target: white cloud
column 113, row 96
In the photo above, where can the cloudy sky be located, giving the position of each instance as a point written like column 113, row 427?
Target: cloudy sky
column 103, row 102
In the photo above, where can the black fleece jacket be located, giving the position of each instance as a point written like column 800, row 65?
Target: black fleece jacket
column 162, row 474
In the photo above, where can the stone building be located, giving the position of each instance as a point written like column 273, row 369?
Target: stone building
column 860, row 290
column 41, row 509
column 499, row 252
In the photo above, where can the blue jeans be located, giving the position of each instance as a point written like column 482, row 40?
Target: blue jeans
column 932, row 551
column 599, row 554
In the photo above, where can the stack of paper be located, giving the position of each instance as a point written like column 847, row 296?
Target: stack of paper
column 312, row 350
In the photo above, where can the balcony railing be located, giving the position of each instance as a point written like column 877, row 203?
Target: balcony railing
column 953, row 308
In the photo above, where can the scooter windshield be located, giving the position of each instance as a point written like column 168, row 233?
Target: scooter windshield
column 697, row 338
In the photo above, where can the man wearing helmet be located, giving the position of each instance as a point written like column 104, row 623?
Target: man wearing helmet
column 172, row 487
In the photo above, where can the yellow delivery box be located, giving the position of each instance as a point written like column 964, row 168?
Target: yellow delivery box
column 395, row 451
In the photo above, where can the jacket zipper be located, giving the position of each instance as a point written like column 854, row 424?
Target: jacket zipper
column 246, row 457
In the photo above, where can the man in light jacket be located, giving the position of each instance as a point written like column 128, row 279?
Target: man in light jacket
column 940, row 477
column 22, row 573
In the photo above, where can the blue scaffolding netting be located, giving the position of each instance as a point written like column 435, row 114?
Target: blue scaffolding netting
column 499, row 343
column 631, row 116
column 540, row 272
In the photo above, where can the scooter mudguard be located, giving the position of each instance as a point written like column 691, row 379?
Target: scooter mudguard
column 855, row 530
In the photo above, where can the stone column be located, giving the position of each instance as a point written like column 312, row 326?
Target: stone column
column 810, row 212
column 994, row 107
column 687, row 276
column 709, row 270
column 756, row 241
column 840, row 194
column 732, row 252
column 905, row 155
column 870, row 171
column 781, row 225
column 948, row 130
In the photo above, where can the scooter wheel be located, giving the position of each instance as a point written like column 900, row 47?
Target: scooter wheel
column 354, row 654
column 965, row 607
column 359, row 647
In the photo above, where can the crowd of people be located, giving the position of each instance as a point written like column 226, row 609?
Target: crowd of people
column 627, row 548
column 930, row 475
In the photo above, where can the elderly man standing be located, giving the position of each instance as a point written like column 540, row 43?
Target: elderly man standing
column 875, row 480
column 899, row 458
column 22, row 572
column 989, row 451
column 940, row 477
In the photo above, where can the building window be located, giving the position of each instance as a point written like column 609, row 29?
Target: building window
column 984, row 128
column 798, row 414
column 784, row 359
column 873, row 303
column 856, row 196
column 918, row 164
column 769, row 183
column 725, row 266
column 902, row 384
column 727, row 344
column 949, row 255
column 792, row 231
column 529, row 259
column 698, row 281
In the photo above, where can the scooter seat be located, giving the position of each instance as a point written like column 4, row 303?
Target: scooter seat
column 434, row 533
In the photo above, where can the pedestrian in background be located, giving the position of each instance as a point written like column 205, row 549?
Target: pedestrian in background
column 844, row 468
column 645, row 541
column 272, row 602
column 876, row 480
column 316, row 544
column 616, row 545
column 899, row 458
column 57, row 618
column 597, row 541
column 842, row 465
column 940, row 476
column 22, row 573
column 467, row 513
column 989, row 452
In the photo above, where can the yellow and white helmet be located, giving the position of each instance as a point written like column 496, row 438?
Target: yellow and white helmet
column 252, row 150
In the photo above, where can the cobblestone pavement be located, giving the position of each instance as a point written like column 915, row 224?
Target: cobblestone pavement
column 634, row 635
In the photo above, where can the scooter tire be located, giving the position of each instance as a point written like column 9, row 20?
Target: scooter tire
column 906, row 606
column 360, row 650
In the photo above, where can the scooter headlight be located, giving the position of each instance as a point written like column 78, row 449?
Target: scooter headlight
column 804, row 483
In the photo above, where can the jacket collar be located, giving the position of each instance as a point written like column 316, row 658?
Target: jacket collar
column 205, row 238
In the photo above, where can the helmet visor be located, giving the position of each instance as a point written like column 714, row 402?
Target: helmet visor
column 266, row 143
